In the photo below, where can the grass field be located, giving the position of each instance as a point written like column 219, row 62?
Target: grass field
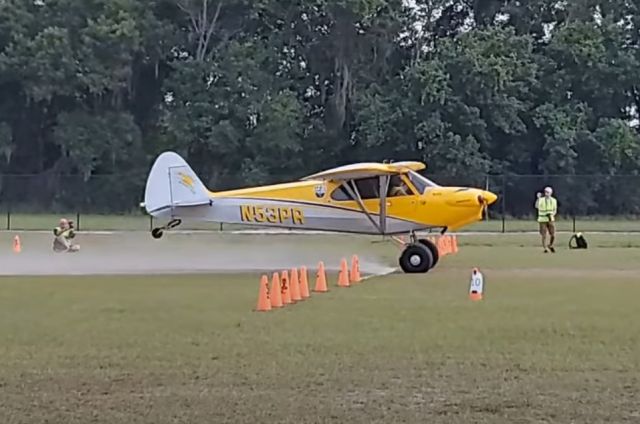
column 556, row 340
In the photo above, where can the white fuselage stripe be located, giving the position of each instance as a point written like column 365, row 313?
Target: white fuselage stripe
column 287, row 214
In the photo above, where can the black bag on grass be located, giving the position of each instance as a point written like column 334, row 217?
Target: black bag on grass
column 577, row 241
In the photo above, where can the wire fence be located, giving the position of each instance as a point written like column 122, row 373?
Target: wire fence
column 111, row 202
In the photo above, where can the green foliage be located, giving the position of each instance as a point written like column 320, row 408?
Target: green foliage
column 90, row 142
column 259, row 91
column 619, row 146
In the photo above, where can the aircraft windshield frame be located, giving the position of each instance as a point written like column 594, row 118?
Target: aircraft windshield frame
column 421, row 183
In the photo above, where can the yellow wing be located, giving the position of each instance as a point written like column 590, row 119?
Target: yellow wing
column 365, row 170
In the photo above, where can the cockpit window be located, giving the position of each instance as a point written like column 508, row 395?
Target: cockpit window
column 397, row 187
column 420, row 183
column 341, row 194
column 367, row 188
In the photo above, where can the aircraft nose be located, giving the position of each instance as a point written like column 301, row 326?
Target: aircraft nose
column 488, row 197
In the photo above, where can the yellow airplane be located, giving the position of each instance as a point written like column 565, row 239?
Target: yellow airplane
column 385, row 199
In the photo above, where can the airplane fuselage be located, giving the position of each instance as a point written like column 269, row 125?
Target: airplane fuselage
column 325, row 205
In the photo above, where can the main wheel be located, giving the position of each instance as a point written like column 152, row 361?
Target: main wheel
column 156, row 233
column 433, row 249
column 416, row 258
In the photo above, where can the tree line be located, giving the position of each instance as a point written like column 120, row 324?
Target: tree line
column 258, row 91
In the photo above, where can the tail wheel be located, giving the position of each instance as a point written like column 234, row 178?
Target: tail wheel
column 156, row 233
column 416, row 258
column 433, row 249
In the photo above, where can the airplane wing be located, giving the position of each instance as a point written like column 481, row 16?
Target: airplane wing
column 346, row 174
column 364, row 170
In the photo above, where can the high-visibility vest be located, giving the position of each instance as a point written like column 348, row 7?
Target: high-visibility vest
column 68, row 233
column 547, row 208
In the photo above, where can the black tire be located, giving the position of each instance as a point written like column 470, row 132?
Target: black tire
column 433, row 249
column 156, row 233
column 416, row 258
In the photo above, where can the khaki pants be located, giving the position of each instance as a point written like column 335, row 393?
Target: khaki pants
column 62, row 244
column 547, row 227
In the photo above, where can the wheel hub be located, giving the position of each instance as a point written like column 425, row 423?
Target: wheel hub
column 415, row 260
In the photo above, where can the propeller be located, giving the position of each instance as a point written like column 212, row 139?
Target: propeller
column 485, row 206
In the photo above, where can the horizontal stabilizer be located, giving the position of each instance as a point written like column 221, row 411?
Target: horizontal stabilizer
column 199, row 203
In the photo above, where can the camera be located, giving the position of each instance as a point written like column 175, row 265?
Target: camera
column 70, row 224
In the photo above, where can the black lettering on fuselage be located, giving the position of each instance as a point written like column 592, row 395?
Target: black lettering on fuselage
column 271, row 214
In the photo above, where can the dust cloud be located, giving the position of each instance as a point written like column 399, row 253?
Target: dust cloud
column 138, row 253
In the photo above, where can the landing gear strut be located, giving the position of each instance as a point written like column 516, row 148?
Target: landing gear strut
column 157, row 233
column 418, row 256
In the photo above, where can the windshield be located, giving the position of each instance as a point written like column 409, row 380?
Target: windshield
column 421, row 183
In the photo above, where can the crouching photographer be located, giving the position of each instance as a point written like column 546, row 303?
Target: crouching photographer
column 64, row 233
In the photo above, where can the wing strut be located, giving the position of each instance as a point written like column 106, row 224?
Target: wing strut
column 357, row 197
column 384, row 186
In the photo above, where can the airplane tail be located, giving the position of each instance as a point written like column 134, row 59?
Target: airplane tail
column 172, row 183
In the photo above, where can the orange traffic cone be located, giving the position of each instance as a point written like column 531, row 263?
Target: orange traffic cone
column 476, row 288
column 304, row 283
column 440, row 245
column 264, row 304
column 285, row 289
column 17, row 246
column 276, row 292
column 475, row 296
column 321, row 279
column 343, row 277
column 295, row 286
column 355, row 270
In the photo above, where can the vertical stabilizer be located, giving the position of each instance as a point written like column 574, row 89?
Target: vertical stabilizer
column 172, row 182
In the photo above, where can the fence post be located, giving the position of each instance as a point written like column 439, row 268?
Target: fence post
column 486, row 188
column 504, row 202
column 78, row 220
column 574, row 223
column 8, row 219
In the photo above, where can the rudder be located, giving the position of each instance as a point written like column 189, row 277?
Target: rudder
column 172, row 182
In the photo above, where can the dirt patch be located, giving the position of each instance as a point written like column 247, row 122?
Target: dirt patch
column 138, row 253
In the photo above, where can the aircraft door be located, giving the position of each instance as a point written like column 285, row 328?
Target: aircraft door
column 401, row 198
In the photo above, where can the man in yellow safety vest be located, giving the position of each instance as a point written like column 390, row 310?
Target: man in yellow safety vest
column 547, row 207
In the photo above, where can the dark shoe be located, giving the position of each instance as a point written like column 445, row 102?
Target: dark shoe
column 546, row 251
column 552, row 249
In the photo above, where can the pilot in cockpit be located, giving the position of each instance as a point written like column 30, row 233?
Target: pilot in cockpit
column 398, row 187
